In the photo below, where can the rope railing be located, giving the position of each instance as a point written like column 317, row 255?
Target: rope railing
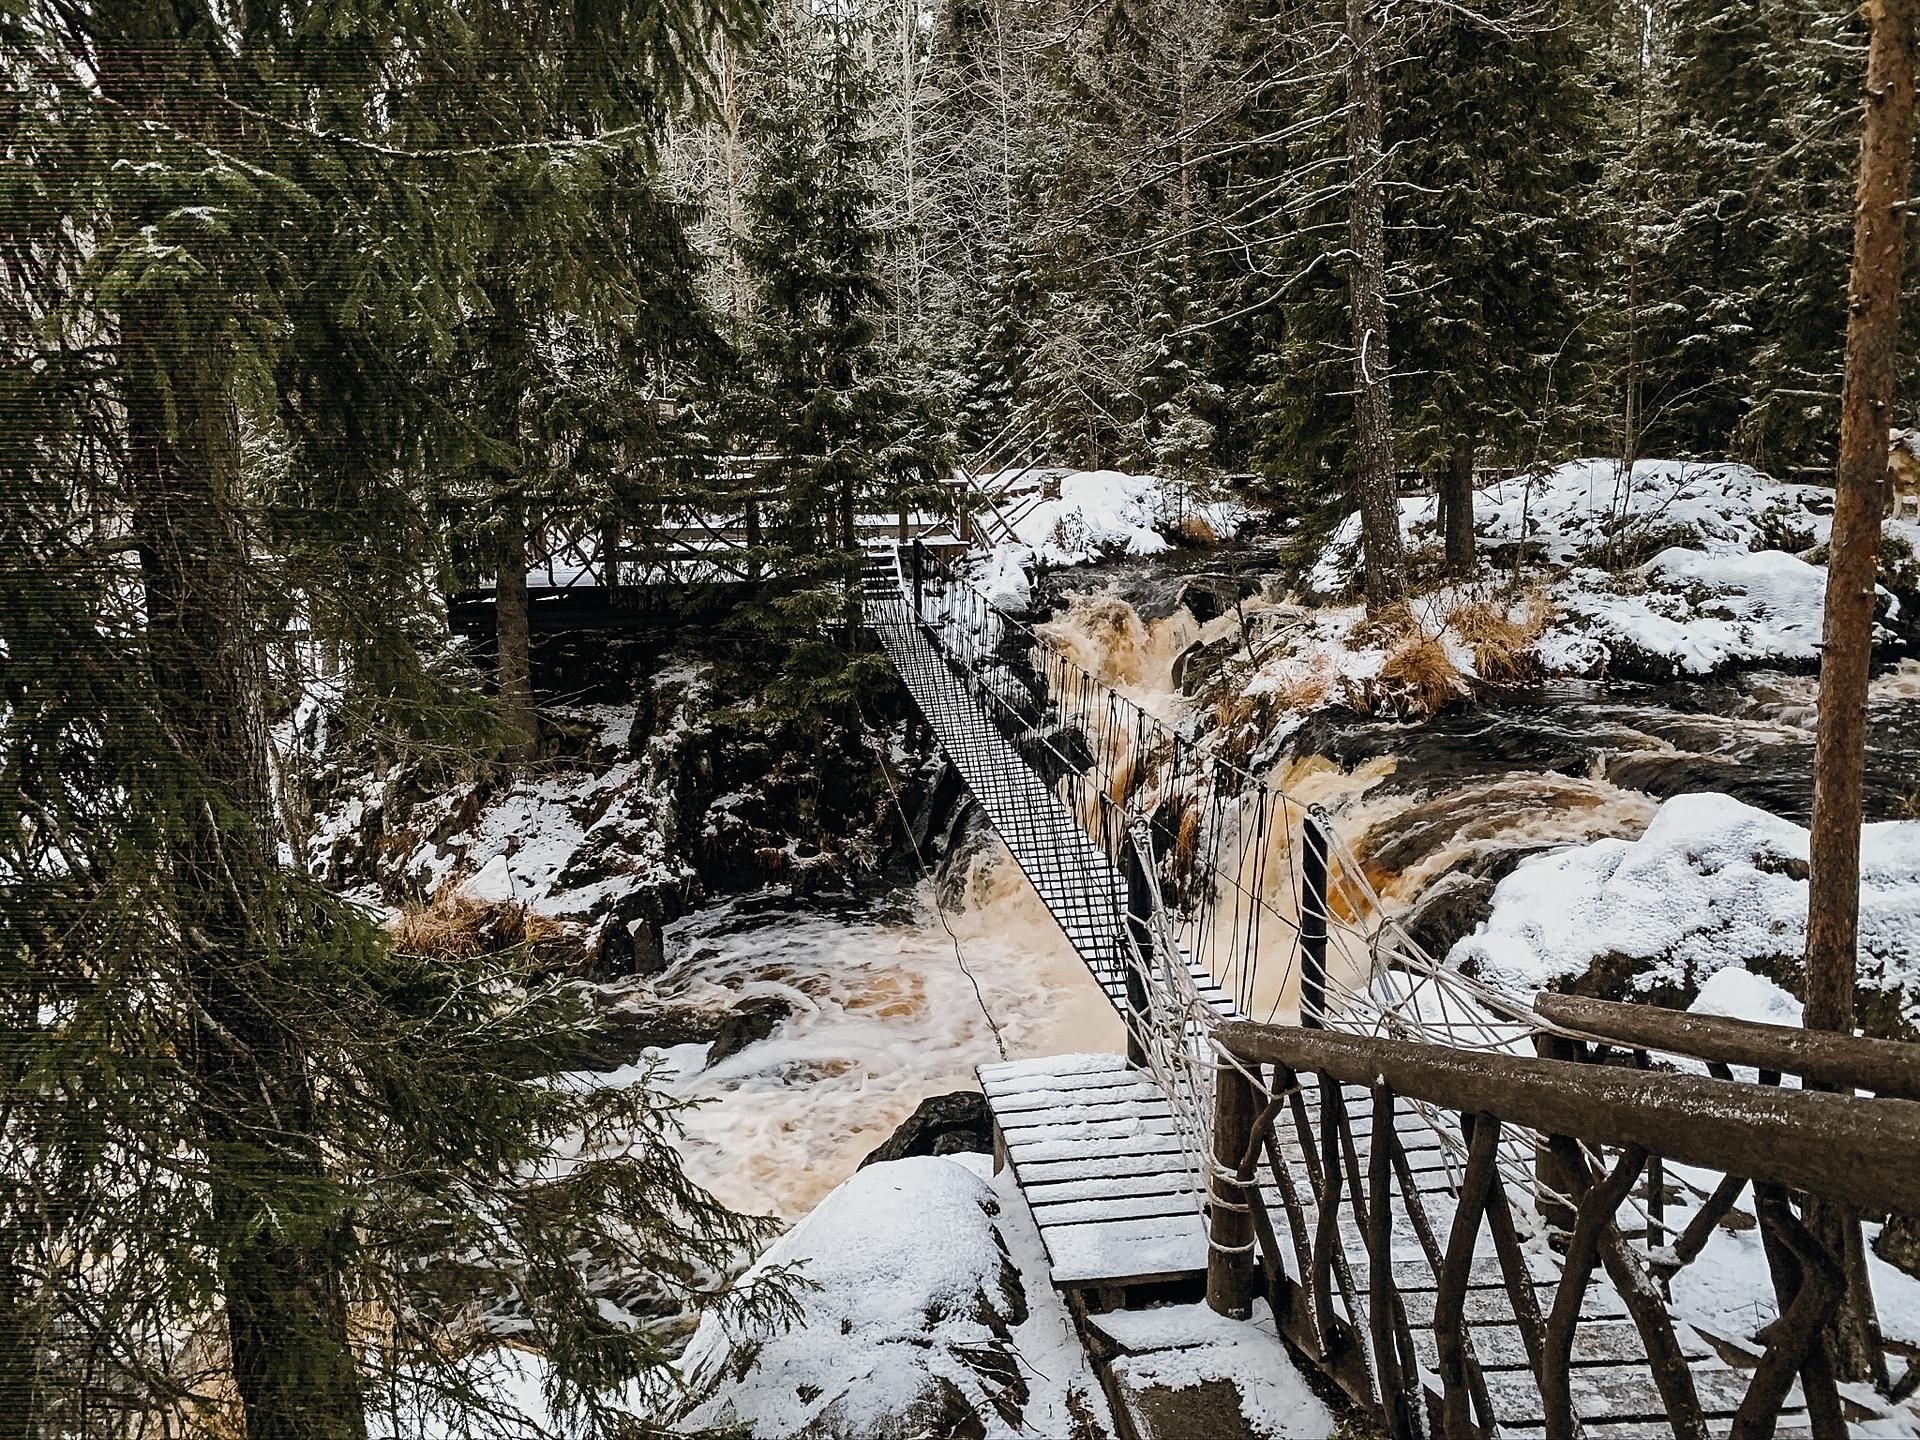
column 1200, row 871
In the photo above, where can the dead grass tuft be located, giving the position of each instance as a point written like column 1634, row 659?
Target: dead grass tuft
column 1502, row 646
column 457, row 927
column 1186, row 836
column 1195, row 530
column 1420, row 679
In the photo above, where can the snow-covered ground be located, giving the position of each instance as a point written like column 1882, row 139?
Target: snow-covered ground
column 930, row 1303
column 1733, row 575
column 1712, row 886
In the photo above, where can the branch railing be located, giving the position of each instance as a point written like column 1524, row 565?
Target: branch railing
column 1601, row 1127
column 1292, row 1177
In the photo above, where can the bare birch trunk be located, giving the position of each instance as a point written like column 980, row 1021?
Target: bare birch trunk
column 1374, row 487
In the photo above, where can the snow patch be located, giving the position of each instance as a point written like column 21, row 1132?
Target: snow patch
column 1712, row 884
column 916, row 1308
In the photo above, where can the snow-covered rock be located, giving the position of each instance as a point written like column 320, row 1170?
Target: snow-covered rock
column 1736, row 574
column 1712, row 884
column 1071, row 517
column 917, row 1323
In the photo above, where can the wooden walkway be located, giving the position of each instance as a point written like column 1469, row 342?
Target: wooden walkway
column 1115, row 1187
column 1112, row 1189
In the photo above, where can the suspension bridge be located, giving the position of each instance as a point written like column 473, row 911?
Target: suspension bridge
column 1473, row 1216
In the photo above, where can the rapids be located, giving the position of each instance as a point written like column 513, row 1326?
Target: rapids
column 891, row 997
column 885, row 1014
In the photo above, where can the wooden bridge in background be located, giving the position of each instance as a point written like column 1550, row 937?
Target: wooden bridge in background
column 1475, row 1217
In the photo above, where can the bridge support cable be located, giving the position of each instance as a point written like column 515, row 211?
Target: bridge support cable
column 1198, row 897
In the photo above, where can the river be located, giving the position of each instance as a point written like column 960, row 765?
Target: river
column 899, row 997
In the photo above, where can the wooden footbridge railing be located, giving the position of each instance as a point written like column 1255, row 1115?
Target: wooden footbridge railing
column 1410, row 1282
column 1475, row 1216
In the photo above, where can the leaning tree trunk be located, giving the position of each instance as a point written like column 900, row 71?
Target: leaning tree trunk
column 512, row 618
column 1873, row 328
column 1456, row 507
column 1367, row 283
column 1839, row 765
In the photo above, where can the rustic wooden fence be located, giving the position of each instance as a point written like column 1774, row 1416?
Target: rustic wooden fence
column 1412, row 1283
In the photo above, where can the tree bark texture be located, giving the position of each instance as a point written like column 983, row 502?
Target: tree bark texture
column 1374, row 486
column 512, row 616
column 1456, row 507
column 281, row 1269
column 281, row 1253
column 1873, row 327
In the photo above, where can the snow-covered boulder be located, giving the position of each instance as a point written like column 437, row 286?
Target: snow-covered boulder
column 907, row 1331
column 1712, row 884
column 1071, row 517
column 1699, row 612
column 1669, row 570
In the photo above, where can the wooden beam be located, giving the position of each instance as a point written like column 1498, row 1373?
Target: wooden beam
column 1847, row 1062
column 1864, row 1153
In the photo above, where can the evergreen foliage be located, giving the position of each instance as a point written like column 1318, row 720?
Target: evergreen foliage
column 823, row 401
column 242, row 260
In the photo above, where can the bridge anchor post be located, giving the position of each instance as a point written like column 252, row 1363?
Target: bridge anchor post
column 1316, row 837
column 1139, row 954
column 1230, row 1261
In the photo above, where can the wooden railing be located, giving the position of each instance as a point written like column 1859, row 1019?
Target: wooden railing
column 1330, row 1181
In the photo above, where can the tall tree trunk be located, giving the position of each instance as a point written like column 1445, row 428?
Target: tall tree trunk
column 1456, row 506
column 1374, row 486
column 1839, row 762
column 282, row 1254
column 513, row 651
column 286, row 1316
column 1873, row 327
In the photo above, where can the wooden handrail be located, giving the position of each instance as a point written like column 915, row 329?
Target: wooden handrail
column 1888, row 1068
column 1864, row 1153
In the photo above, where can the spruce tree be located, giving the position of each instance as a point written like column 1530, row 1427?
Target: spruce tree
column 245, row 248
column 1495, row 242
column 1749, row 163
column 823, row 401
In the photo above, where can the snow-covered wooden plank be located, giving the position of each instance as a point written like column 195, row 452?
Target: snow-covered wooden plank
column 1126, row 1251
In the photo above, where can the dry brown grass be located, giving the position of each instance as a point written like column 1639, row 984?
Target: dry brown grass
column 1186, row 835
column 1502, row 646
column 1420, row 678
column 457, row 927
column 1195, row 530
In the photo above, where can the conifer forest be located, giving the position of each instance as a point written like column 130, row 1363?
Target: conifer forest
column 497, row 937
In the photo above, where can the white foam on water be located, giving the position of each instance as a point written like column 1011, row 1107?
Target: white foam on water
column 884, row 1016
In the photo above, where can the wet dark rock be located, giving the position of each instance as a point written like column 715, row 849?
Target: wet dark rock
column 753, row 1018
column 1899, row 1244
column 631, row 1025
column 1055, row 750
column 951, row 1124
column 1447, row 911
column 630, row 939
column 1201, row 661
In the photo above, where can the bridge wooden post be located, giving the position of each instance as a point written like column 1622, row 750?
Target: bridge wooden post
column 919, row 579
column 1316, row 838
column 1230, row 1261
column 1140, row 953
